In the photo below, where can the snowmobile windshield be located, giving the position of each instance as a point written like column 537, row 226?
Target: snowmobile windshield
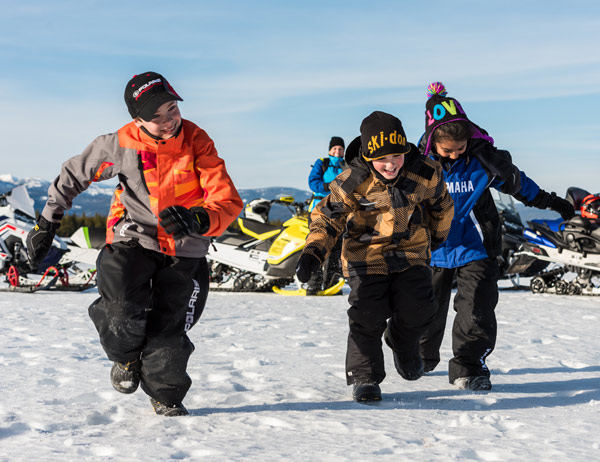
column 504, row 201
column 18, row 198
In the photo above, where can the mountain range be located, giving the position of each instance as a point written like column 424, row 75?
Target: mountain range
column 96, row 199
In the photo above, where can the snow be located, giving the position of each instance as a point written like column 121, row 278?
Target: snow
column 7, row 178
column 269, row 384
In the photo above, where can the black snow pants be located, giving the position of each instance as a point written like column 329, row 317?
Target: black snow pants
column 148, row 301
column 401, row 302
column 474, row 330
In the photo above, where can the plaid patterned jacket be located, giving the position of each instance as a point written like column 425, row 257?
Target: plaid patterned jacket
column 387, row 226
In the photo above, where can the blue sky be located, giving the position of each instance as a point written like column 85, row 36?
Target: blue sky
column 272, row 81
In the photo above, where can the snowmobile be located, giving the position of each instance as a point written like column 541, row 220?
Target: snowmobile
column 255, row 255
column 66, row 267
column 512, row 233
column 555, row 250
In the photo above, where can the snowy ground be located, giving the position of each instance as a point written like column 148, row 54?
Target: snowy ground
column 269, row 386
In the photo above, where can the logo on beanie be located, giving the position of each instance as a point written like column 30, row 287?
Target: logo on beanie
column 440, row 110
column 380, row 141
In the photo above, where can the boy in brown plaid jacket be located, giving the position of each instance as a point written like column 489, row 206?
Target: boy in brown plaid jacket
column 392, row 207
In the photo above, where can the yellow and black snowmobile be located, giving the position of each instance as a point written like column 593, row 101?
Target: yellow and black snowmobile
column 255, row 255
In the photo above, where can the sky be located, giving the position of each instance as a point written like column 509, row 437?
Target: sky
column 269, row 385
column 272, row 81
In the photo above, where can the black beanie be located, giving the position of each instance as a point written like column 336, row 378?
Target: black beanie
column 439, row 110
column 336, row 141
column 381, row 135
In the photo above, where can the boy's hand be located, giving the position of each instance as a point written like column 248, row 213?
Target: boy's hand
column 181, row 222
column 562, row 206
column 39, row 240
column 307, row 265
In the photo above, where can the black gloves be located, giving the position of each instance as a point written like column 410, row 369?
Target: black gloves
column 180, row 222
column 545, row 200
column 39, row 240
column 561, row 206
column 307, row 265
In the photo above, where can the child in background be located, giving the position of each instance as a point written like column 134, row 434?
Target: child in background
column 391, row 205
column 471, row 166
column 174, row 193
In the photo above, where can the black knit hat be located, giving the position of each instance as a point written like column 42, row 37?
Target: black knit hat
column 336, row 141
column 381, row 135
column 146, row 92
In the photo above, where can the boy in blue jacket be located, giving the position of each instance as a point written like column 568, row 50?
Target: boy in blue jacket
column 471, row 166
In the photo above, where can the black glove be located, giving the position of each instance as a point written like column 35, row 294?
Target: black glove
column 307, row 265
column 561, row 206
column 180, row 222
column 39, row 240
column 545, row 200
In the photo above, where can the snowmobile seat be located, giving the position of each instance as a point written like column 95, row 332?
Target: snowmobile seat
column 549, row 229
column 553, row 225
column 257, row 229
column 575, row 196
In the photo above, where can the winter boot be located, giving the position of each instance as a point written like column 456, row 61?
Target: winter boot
column 314, row 284
column 478, row 383
column 409, row 369
column 169, row 410
column 366, row 392
column 125, row 377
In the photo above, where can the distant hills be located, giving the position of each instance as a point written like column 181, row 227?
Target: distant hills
column 96, row 199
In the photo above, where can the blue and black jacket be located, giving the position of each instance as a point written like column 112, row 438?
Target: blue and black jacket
column 323, row 172
column 476, row 231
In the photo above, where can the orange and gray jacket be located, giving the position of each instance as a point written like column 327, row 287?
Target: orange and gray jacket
column 387, row 226
column 153, row 174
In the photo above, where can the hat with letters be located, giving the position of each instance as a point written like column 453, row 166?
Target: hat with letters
column 146, row 92
column 381, row 134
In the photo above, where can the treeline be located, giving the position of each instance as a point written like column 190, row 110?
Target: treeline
column 71, row 223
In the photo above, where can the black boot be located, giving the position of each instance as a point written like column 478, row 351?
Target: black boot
column 366, row 392
column 169, row 410
column 125, row 377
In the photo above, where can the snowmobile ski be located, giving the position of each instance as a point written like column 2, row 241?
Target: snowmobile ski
column 333, row 290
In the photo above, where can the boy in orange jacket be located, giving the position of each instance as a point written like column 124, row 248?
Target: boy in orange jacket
column 152, row 274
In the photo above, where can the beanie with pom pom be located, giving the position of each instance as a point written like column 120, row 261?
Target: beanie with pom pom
column 439, row 110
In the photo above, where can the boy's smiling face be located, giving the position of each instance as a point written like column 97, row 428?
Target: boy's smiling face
column 389, row 166
column 165, row 123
